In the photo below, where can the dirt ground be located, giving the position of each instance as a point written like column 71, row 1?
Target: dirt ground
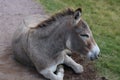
column 11, row 13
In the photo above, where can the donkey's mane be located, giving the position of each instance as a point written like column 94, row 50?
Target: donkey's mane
column 55, row 17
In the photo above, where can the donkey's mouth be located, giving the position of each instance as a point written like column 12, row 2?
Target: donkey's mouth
column 94, row 57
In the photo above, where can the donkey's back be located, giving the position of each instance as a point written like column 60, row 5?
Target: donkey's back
column 19, row 42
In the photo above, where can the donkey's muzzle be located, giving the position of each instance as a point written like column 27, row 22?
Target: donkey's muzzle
column 94, row 53
column 94, row 57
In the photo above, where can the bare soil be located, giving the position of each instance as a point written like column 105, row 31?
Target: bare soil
column 11, row 13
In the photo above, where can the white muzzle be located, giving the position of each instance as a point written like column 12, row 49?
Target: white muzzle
column 94, row 53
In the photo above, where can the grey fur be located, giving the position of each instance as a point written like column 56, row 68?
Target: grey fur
column 43, row 44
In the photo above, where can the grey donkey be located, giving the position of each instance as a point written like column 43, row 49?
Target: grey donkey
column 45, row 43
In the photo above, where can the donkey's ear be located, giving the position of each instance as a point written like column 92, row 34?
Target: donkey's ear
column 77, row 15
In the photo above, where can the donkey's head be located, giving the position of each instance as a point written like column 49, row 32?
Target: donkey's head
column 81, row 39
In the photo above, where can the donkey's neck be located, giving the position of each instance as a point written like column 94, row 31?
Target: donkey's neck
column 62, row 30
column 61, row 26
column 64, row 25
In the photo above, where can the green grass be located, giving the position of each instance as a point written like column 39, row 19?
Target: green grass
column 103, row 17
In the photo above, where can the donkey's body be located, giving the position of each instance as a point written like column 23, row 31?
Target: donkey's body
column 45, row 45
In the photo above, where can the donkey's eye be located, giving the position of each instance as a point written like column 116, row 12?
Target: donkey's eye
column 84, row 35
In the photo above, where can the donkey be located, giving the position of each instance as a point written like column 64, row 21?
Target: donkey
column 48, row 43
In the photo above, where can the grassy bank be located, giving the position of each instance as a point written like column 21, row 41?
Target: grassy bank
column 103, row 17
